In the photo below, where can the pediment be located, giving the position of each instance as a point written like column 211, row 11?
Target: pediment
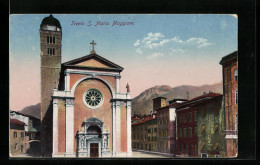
column 93, row 61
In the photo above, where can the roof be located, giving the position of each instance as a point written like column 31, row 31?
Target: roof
column 199, row 99
column 159, row 97
column 169, row 106
column 112, row 65
column 228, row 58
column 50, row 21
column 32, row 130
column 16, row 122
column 18, row 112
column 178, row 100
column 146, row 119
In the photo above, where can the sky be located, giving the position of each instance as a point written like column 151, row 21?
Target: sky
column 164, row 49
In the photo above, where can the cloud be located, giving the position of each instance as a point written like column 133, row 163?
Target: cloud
column 206, row 44
column 153, row 40
column 157, row 40
column 139, row 51
column 155, row 55
column 137, row 42
column 199, row 42
column 177, row 39
column 177, row 51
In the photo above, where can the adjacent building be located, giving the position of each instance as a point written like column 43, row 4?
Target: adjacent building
column 230, row 90
column 18, row 142
column 166, row 123
column 200, row 127
column 28, row 133
column 144, row 134
column 211, row 127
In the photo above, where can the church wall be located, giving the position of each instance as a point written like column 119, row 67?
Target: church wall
column 92, row 63
column 62, row 126
column 123, row 129
column 111, row 80
column 82, row 112
column 75, row 77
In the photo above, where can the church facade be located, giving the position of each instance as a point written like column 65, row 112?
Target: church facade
column 83, row 111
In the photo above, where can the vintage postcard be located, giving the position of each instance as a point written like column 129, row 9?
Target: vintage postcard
column 123, row 86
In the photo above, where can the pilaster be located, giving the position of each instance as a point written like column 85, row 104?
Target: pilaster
column 129, row 129
column 55, row 127
column 118, row 127
column 67, row 81
column 69, row 127
column 118, row 84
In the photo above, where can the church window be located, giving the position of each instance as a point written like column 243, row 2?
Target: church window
column 50, row 51
column 93, row 98
column 53, row 51
column 48, row 39
column 53, row 40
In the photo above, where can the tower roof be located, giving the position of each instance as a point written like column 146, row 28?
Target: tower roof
column 50, row 20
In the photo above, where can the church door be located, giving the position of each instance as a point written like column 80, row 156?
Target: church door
column 94, row 150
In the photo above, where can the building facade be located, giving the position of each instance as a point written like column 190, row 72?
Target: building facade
column 211, row 128
column 230, row 89
column 87, row 114
column 18, row 142
column 166, row 123
column 187, row 139
column 201, row 127
column 31, row 136
column 144, row 134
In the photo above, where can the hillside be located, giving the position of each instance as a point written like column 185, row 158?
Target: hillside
column 32, row 110
column 142, row 104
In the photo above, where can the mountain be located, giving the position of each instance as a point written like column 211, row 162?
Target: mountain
column 142, row 104
column 32, row 110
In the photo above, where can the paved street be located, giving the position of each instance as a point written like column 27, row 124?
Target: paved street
column 147, row 155
column 136, row 154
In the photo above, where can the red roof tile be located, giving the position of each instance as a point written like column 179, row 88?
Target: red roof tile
column 146, row 119
column 204, row 96
column 17, row 122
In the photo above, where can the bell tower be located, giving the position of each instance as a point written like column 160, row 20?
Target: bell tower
column 50, row 46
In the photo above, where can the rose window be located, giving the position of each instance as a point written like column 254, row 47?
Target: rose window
column 93, row 98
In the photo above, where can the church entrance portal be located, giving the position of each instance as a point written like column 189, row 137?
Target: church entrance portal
column 94, row 150
column 93, row 141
